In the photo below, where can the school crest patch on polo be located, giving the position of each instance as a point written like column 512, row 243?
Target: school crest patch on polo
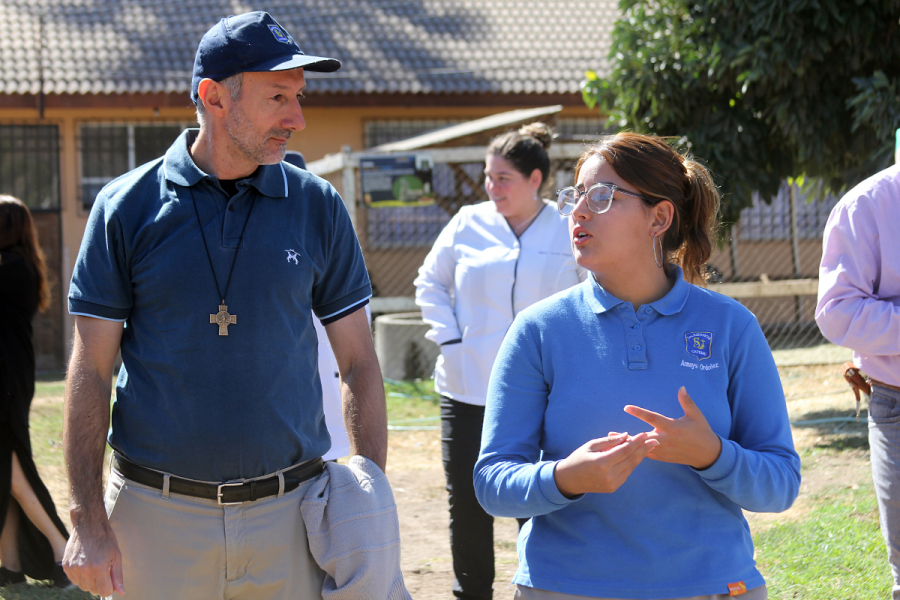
column 279, row 34
column 699, row 344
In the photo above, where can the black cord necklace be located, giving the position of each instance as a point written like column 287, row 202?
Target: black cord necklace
column 222, row 318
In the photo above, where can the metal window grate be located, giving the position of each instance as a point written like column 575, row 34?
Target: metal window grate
column 109, row 150
column 29, row 164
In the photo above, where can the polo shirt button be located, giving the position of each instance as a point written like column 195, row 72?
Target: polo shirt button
column 647, row 310
column 637, row 347
column 635, row 326
column 231, row 208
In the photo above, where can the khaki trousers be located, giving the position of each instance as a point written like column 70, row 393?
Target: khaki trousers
column 527, row 593
column 187, row 548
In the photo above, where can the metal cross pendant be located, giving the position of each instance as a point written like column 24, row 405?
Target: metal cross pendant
column 223, row 319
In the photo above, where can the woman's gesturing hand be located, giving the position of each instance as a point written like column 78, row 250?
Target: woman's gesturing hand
column 602, row 465
column 686, row 441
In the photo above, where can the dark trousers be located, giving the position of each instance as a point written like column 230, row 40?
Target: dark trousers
column 471, row 528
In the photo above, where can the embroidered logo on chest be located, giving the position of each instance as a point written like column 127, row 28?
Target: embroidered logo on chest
column 292, row 256
column 699, row 344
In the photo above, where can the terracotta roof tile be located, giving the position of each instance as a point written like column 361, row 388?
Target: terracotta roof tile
column 411, row 46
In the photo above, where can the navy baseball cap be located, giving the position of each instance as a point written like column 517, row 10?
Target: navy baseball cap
column 247, row 43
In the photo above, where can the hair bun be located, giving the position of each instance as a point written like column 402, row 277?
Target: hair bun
column 539, row 131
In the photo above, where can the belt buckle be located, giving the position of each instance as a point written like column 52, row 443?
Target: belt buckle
column 219, row 493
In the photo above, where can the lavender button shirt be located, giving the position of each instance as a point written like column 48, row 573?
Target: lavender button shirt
column 859, row 277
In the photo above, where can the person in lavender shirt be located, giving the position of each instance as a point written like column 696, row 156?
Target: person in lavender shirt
column 859, row 307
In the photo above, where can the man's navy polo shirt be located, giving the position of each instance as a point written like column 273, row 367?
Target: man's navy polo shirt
column 189, row 401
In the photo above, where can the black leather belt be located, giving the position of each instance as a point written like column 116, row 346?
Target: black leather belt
column 237, row 492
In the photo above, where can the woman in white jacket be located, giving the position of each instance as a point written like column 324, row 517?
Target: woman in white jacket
column 491, row 261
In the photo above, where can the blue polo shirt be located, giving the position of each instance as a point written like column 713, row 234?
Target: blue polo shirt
column 565, row 371
column 189, row 401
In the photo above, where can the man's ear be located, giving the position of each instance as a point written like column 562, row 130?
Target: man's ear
column 214, row 97
column 663, row 213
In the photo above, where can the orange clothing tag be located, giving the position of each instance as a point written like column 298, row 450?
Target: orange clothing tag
column 736, row 589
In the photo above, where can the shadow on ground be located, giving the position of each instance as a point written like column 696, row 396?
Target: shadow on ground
column 835, row 435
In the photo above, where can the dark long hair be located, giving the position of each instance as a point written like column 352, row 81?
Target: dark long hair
column 18, row 235
column 660, row 173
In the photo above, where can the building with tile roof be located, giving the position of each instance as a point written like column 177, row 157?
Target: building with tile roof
column 423, row 47
column 92, row 88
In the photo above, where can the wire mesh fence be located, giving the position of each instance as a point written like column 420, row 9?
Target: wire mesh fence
column 768, row 261
column 779, row 240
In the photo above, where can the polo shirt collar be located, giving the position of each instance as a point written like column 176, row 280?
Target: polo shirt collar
column 178, row 166
column 180, row 169
column 601, row 301
column 270, row 180
column 673, row 302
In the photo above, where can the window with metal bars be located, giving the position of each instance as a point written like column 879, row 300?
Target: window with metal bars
column 29, row 164
column 109, row 150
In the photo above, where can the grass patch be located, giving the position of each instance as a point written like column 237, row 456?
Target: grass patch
column 836, row 552
column 412, row 402
column 50, row 388
column 46, row 425
column 46, row 422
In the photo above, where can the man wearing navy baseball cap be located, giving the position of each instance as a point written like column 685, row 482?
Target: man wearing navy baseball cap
column 205, row 268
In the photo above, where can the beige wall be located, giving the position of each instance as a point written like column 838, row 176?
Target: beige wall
column 327, row 130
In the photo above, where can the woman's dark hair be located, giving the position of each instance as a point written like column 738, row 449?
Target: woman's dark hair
column 18, row 235
column 656, row 170
column 525, row 149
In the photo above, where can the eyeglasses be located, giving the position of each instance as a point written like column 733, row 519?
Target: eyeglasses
column 599, row 198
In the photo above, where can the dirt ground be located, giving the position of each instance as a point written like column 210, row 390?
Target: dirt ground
column 417, row 478
column 415, row 473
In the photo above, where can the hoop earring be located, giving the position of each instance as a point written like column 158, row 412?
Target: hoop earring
column 658, row 261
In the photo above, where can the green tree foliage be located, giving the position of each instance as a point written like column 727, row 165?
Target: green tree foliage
column 763, row 90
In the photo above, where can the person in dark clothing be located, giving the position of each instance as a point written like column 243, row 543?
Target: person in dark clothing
column 32, row 537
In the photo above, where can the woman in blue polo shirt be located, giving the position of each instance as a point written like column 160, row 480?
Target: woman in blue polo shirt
column 635, row 415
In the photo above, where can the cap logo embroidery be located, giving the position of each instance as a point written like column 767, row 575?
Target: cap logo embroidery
column 280, row 34
column 292, row 255
column 699, row 344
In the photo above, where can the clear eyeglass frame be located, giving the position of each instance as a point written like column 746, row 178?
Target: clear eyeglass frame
column 599, row 198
